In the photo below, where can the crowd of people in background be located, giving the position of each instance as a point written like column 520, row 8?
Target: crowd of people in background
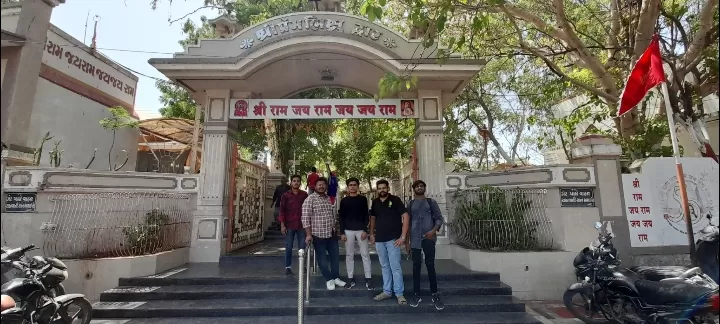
column 311, row 217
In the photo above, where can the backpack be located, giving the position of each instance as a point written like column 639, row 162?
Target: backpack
column 430, row 202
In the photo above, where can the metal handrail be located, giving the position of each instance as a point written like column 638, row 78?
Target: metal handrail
column 309, row 269
column 305, row 268
column 301, row 281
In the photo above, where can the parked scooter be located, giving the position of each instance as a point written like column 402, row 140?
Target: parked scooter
column 35, row 302
column 609, row 292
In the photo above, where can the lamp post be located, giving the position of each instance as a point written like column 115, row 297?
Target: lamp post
column 484, row 133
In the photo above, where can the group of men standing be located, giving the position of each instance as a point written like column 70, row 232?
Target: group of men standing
column 388, row 223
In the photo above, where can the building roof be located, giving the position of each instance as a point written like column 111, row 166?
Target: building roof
column 11, row 39
column 176, row 129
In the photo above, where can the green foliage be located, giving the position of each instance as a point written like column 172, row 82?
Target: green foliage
column 391, row 84
column 536, row 61
column 494, row 219
column 119, row 118
column 147, row 237
column 177, row 101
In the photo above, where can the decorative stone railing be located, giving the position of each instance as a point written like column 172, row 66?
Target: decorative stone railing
column 576, row 175
column 82, row 214
column 36, row 179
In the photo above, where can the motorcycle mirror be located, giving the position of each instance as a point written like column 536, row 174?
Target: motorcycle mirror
column 598, row 225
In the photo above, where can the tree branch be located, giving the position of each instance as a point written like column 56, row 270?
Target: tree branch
column 593, row 63
column 649, row 13
column 555, row 69
column 700, row 39
column 193, row 12
column 678, row 25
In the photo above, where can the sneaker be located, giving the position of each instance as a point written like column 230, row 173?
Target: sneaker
column 351, row 284
column 288, row 272
column 339, row 282
column 330, row 285
column 369, row 284
column 415, row 300
column 437, row 302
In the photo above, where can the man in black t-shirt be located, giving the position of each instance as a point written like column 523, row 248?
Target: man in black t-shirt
column 389, row 222
column 354, row 221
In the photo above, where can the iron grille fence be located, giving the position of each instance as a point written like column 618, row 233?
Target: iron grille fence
column 104, row 225
column 494, row 219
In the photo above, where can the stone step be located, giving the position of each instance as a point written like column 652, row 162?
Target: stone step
column 287, row 306
column 279, row 257
column 286, row 288
column 424, row 318
column 277, row 276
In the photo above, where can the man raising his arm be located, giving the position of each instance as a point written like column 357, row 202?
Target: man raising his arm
column 389, row 223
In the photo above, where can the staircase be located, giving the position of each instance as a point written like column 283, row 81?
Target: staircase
column 250, row 287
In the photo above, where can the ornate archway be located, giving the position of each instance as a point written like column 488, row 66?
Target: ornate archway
column 286, row 54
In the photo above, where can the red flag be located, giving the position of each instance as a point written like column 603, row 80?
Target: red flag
column 647, row 73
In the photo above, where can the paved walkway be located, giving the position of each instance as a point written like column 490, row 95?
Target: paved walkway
column 550, row 312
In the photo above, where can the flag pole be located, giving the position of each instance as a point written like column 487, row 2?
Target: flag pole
column 680, row 175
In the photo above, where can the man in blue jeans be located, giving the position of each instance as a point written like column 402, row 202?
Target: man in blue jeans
column 290, row 218
column 318, row 218
column 389, row 223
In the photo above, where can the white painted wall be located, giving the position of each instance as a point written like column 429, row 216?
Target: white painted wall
column 75, row 120
column 9, row 19
column 93, row 277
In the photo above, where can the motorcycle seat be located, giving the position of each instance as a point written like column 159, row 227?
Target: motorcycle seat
column 659, row 273
column 661, row 293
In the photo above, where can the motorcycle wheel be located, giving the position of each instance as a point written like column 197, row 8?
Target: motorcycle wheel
column 589, row 316
column 79, row 311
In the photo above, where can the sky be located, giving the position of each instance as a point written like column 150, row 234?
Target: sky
column 129, row 32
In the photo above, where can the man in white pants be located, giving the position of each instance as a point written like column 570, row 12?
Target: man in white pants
column 354, row 221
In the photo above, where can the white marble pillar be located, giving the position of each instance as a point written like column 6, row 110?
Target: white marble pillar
column 430, row 152
column 207, row 236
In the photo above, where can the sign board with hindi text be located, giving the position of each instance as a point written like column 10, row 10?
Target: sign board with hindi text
column 20, row 202
column 577, row 197
column 322, row 108
column 652, row 201
column 66, row 57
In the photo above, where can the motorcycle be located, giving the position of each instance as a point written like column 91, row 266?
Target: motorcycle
column 620, row 295
column 18, row 254
column 707, row 252
column 706, row 274
column 35, row 303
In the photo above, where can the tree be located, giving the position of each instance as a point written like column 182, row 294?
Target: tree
column 589, row 45
column 119, row 119
column 177, row 101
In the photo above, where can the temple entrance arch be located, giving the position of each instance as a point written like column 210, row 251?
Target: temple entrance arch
column 287, row 54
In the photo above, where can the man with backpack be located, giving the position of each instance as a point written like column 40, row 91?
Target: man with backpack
column 425, row 221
